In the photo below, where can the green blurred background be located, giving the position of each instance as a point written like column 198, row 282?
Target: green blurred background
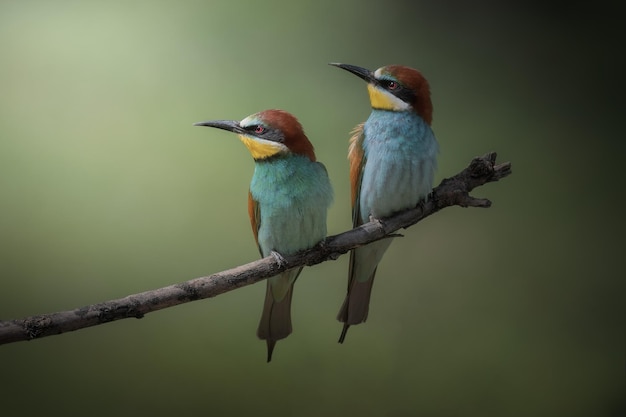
column 106, row 190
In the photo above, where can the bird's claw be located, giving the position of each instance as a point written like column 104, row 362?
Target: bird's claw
column 280, row 260
column 378, row 222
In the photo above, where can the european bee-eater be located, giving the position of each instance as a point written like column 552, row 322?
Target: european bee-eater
column 393, row 157
column 287, row 202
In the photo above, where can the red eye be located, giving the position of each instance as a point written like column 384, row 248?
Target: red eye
column 259, row 129
column 392, row 85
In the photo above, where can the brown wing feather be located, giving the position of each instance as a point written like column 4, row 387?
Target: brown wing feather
column 357, row 162
column 254, row 212
column 355, row 306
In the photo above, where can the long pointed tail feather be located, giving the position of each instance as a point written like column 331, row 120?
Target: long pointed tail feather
column 356, row 304
column 363, row 266
column 275, row 321
column 344, row 331
column 270, row 349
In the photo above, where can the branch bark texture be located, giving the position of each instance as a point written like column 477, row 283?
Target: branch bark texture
column 452, row 191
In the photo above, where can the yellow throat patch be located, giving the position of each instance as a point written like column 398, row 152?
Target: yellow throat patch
column 381, row 99
column 261, row 149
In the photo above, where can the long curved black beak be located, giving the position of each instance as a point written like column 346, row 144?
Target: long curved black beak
column 360, row 72
column 230, row 125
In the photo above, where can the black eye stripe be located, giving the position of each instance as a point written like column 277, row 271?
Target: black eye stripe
column 265, row 132
column 390, row 84
column 256, row 129
column 398, row 90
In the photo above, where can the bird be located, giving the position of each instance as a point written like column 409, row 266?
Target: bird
column 288, row 199
column 393, row 158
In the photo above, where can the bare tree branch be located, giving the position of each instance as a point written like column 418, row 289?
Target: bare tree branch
column 451, row 192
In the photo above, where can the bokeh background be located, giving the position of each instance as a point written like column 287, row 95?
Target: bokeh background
column 107, row 190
